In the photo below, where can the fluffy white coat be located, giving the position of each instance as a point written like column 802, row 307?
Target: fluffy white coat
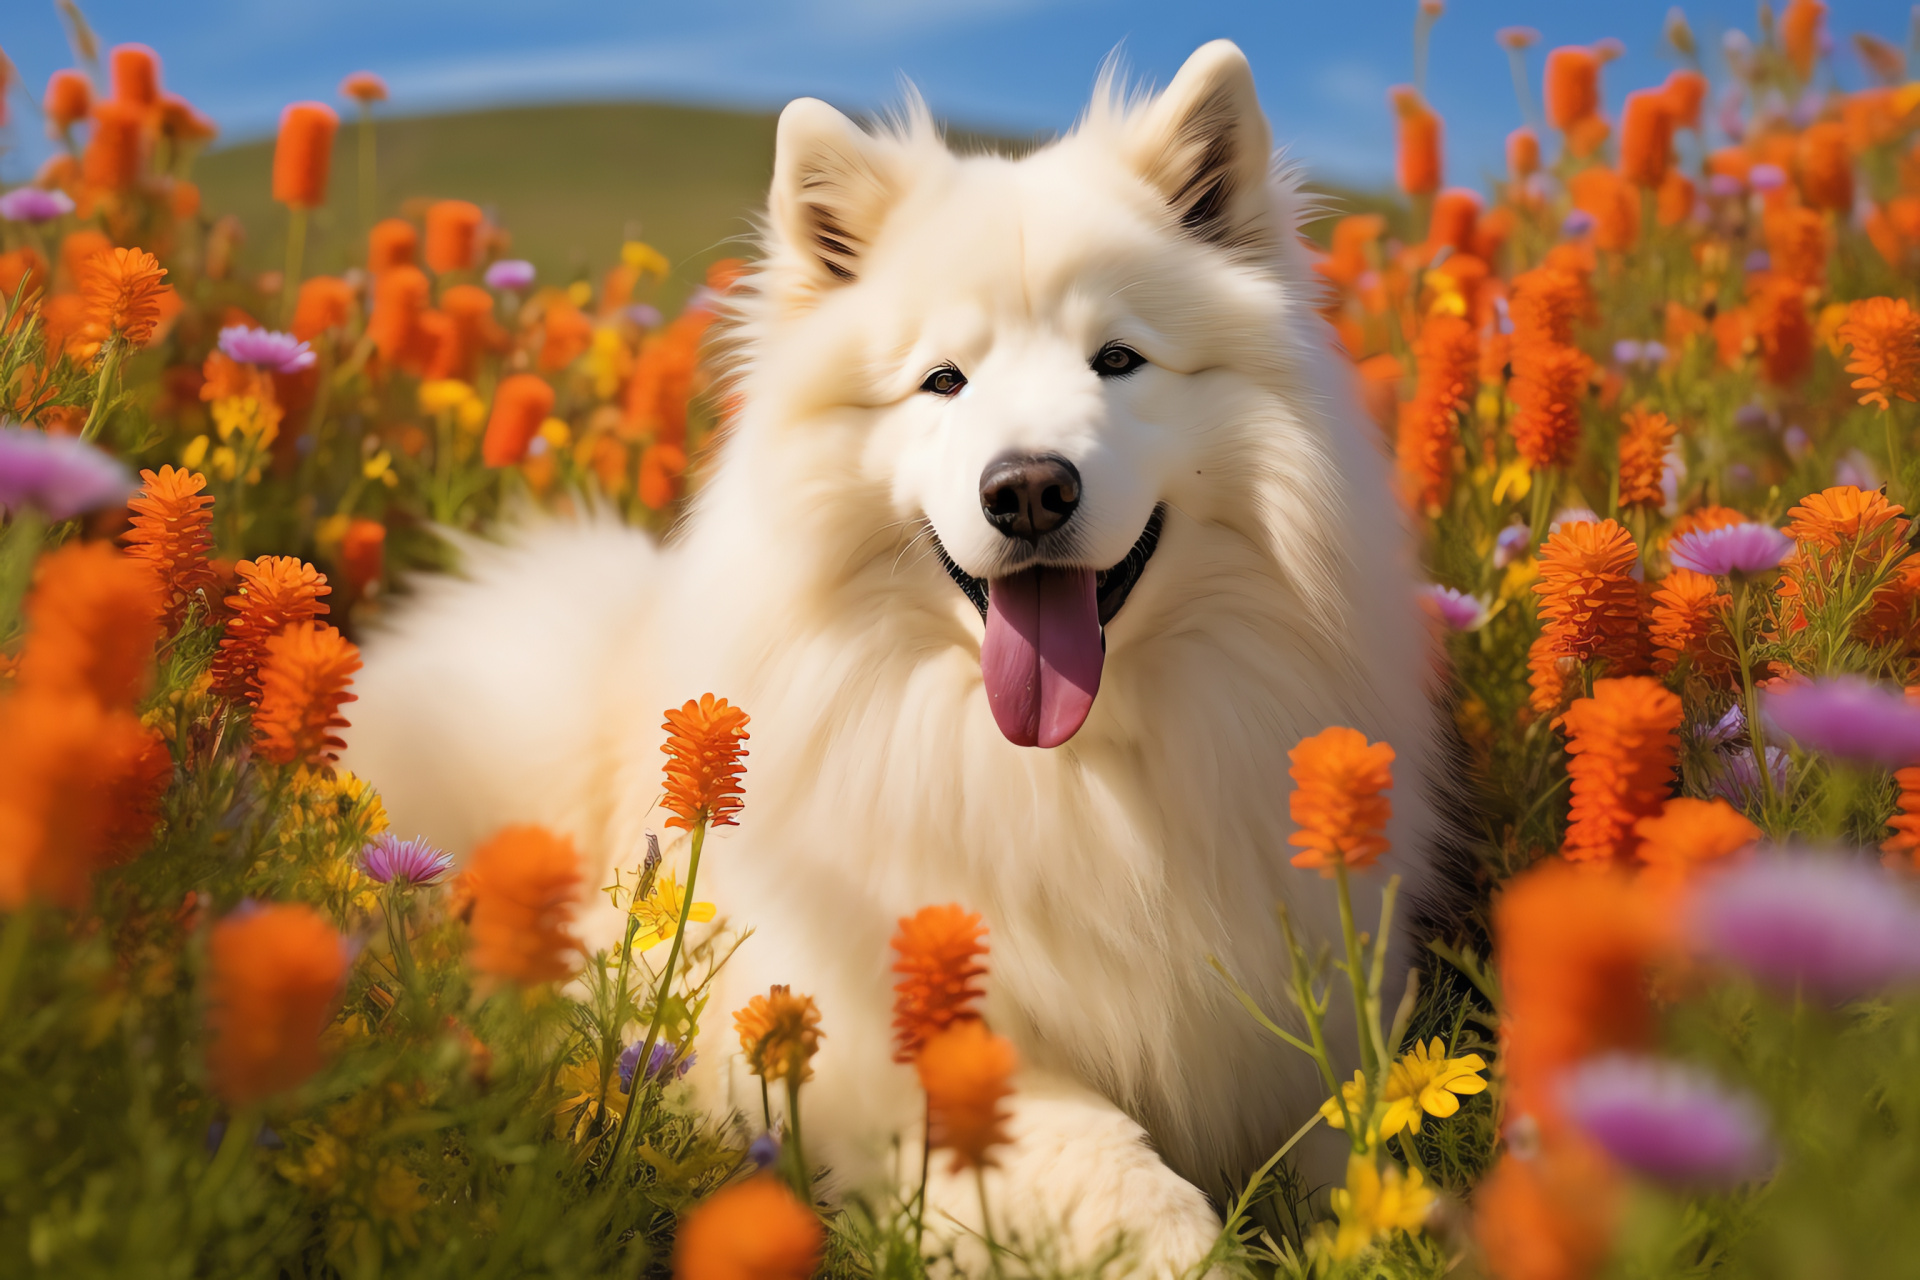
column 803, row 587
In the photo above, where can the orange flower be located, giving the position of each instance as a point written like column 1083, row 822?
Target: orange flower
column 1451, row 222
column 1686, row 622
column 303, row 681
column 1549, row 382
column 1572, row 86
column 703, row 751
column 780, row 1033
column 1646, row 138
column 1546, row 301
column 1797, row 245
column 117, row 148
column 125, row 295
column 1589, row 602
column 1893, row 617
column 469, row 311
column 79, row 784
column 753, row 1230
column 1902, row 847
column 324, row 302
column 1705, row 518
column 663, row 379
column 661, row 467
column 274, row 977
column 1550, row 1217
column 1614, row 204
column 68, row 99
column 1339, row 804
column 565, row 335
column 967, row 1072
column 1622, row 747
column 391, row 243
column 1547, row 672
column 1643, row 457
column 363, row 554
column 1573, row 946
column 1674, row 201
column 303, row 154
column 1686, row 91
column 1687, row 832
column 275, row 592
column 520, row 404
column 134, row 70
column 172, row 533
column 937, row 955
column 1885, row 336
column 1800, row 24
column 399, row 303
column 453, row 235
column 1418, row 163
column 1779, row 316
column 524, row 883
column 1447, row 354
column 364, row 87
column 1826, row 167
column 1844, row 515
column 23, row 273
column 1523, row 154
column 92, row 619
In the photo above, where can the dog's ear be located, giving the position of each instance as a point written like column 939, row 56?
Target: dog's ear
column 1204, row 145
column 832, row 185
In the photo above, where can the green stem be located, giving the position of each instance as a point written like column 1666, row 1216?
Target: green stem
column 986, row 1221
column 920, row 1198
column 666, row 985
column 296, row 255
column 1356, row 974
column 1893, row 456
column 367, row 175
column 13, row 952
column 109, row 366
column 1756, row 734
column 796, row 1151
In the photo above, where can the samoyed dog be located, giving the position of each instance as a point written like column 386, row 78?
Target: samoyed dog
column 1048, row 524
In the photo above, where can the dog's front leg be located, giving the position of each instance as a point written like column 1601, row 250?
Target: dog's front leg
column 1078, row 1183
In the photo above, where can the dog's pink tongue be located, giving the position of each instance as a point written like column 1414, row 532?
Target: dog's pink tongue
column 1042, row 655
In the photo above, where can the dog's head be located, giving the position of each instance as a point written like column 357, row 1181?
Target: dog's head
column 1043, row 360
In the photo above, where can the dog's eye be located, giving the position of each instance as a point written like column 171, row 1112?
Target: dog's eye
column 944, row 381
column 1117, row 360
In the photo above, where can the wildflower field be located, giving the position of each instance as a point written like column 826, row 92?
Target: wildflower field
column 1651, row 397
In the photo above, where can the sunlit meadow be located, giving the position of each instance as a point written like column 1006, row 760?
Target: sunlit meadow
column 1651, row 404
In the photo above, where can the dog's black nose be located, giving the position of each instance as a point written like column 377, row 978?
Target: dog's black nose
column 1026, row 495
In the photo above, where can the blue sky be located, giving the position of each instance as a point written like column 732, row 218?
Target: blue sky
column 1021, row 65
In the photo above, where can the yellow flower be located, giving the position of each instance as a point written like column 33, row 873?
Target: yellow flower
column 1370, row 1205
column 439, row 395
column 1515, row 480
column 1424, row 1080
column 376, row 466
column 579, row 293
column 194, row 456
column 556, row 433
column 581, row 1080
column 659, row 913
column 254, row 420
column 643, row 259
column 607, row 362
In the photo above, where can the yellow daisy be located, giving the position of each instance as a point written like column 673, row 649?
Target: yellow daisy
column 1424, row 1080
column 659, row 913
column 1371, row 1205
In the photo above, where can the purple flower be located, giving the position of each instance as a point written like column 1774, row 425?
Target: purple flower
column 1670, row 1122
column 642, row 316
column 1725, row 729
column 1796, row 442
column 1739, row 780
column 1752, row 416
column 1502, row 316
column 57, row 475
column 1849, row 717
column 1456, row 609
column 1573, row 515
column 1724, row 185
column 510, row 273
column 1757, row 261
column 1742, row 548
column 1510, row 545
column 1628, row 351
column 1766, row 177
column 388, row 860
column 764, row 1150
column 1577, row 223
column 1827, row 923
column 1653, row 352
column 659, row 1062
column 1856, row 469
column 268, row 348
column 31, row 204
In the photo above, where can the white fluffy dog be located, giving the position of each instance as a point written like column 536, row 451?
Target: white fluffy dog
column 1047, row 527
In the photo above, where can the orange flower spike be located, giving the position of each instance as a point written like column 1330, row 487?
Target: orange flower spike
column 1643, row 456
column 525, row 885
column 1623, row 746
column 68, row 98
column 275, row 592
column 967, row 1072
column 303, row 154
column 1686, row 91
column 1549, row 384
column 392, row 242
column 324, row 302
column 303, row 681
column 1884, row 334
column 1572, row 86
column 364, row 87
column 1614, row 203
column 1339, row 804
column 1780, row 322
column 1546, row 301
column 125, row 295
column 1455, row 211
column 1550, row 1218
column 93, row 618
column 117, row 147
column 520, row 404
column 274, row 978
column 363, row 554
column 704, row 751
column 1447, row 356
column 1800, row 24
column 1646, row 138
column 1546, row 678
column 1901, row 848
column 1843, row 514
column 937, row 953
column 1589, row 602
column 399, row 304
column 1419, row 163
column 1523, row 154
column 172, row 534
column 1688, row 832
column 453, row 235
column 780, row 1033
column 753, row 1230
column 1826, row 167
column 134, row 71
column 1686, row 623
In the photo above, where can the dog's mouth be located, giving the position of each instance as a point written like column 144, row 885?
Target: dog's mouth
column 1045, row 641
